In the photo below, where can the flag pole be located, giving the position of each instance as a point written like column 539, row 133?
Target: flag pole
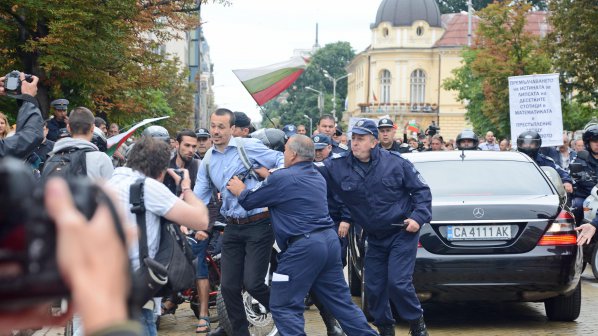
column 266, row 115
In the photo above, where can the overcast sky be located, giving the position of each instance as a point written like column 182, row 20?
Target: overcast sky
column 255, row 33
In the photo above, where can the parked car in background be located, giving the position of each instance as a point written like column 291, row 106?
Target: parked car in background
column 501, row 231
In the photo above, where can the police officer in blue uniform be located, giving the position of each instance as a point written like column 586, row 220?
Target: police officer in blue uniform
column 289, row 130
column 327, row 126
column 529, row 142
column 386, row 133
column 310, row 257
column 390, row 200
column 59, row 108
column 588, row 159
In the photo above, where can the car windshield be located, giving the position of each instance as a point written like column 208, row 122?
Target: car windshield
column 483, row 178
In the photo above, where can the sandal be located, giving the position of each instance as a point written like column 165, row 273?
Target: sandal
column 171, row 310
column 205, row 325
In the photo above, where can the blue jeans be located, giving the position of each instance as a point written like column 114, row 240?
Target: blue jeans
column 148, row 322
column 199, row 248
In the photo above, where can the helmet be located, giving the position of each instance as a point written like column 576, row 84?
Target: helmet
column 467, row 135
column 99, row 139
column 271, row 137
column 590, row 134
column 529, row 142
column 157, row 132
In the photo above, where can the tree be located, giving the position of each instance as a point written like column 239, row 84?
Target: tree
column 299, row 102
column 456, row 6
column 99, row 54
column 573, row 43
column 502, row 48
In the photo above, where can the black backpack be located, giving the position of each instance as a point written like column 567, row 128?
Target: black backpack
column 68, row 162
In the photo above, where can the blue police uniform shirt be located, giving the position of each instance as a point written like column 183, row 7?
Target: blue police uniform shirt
column 543, row 160
column 296, row 198
column 224, row 165
column 53, row 127
column 338, row 148
column 386, row 191
column 337, row 209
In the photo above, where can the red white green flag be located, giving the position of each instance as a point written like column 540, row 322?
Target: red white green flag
column 412, row 127
column 117, row 140
column 269, row 81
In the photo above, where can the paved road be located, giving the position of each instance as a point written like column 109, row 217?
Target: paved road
column 486, row 319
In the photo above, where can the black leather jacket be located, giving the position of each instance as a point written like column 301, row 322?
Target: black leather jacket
column 29, row 133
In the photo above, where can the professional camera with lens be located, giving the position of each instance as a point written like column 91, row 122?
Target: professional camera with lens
column 28, row 267
column 12, row 82
column 432, row 129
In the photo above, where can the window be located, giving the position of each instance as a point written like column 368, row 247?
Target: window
column 385, row 32
column 419, row 31
column 385, row 81
column 418, row 86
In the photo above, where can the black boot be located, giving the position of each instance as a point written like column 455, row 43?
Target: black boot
column 387, row 330
column 418, row 327
column 332, row 326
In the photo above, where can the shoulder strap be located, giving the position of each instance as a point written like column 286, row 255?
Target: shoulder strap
column 245, row 159
column 206, row 162
column 136, row 199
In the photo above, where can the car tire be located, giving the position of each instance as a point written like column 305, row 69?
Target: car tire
column 564, row 308
column 595, row 261
column 354, row 281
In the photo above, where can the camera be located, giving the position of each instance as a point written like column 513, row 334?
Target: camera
column 12, row 82
column 432, row 129
column 29, row 271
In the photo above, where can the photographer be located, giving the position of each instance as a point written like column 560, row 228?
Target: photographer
column 99, row 282
column 29, row 133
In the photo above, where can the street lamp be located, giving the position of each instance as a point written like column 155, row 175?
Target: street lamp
column 311, row 131
column 334, row 80
column 320, row 98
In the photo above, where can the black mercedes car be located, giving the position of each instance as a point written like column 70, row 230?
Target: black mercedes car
column 501, row 231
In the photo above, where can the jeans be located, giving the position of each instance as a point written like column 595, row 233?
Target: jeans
column 148, row 322
column 199, row 250
column 245, row 258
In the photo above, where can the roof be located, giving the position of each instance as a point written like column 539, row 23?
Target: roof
column 404, row 12
column 456, row 27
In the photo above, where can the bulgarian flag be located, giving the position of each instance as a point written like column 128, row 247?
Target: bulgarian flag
column 117, row 140
column 412, row 127
column 267, row 82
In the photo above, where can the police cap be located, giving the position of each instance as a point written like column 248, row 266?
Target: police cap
column 60, row 104
column 321, row 141
column 365, row 127
column 385, row 122
column 289, row 130
column 202, row 133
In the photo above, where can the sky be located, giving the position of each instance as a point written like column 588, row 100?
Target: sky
column 255, row 33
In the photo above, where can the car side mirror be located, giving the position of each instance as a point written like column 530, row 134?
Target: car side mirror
column 555, row 178
column 575, row 168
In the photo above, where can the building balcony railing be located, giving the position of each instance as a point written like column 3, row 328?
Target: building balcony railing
column 396, row 108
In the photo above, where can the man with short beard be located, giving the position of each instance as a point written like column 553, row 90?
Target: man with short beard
column 186, row 143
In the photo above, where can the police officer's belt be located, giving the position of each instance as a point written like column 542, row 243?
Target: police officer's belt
column 296, row 238
column 250, row 219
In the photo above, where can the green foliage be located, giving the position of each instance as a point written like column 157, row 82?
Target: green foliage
column 576, row 115
column 456, row 6
column 574, row 46
column 502, row 49
column 299, row 101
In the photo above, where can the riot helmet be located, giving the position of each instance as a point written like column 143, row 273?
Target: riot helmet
column 157, row 132
column 99, row 139
column 271, row 137
column 590, row 134
column 529, row 142
column 467, row 140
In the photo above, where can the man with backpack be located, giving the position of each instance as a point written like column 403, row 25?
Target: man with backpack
column 77, row 155
column 248, row 237
column 148, row 161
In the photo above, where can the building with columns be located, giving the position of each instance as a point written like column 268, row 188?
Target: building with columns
column 413, row 50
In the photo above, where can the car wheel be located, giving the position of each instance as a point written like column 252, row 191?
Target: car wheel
column 564, row 308
column 354, row 281
column 595, row 261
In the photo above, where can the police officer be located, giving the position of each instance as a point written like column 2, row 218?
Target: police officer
column 390, row 200
column 529, row 142
column 310, row 257
column 467, row 140
column 289, row 130
column 386, row 135
column 204, row 142
column 326, row 126
column 58, row 108
column 588, row 159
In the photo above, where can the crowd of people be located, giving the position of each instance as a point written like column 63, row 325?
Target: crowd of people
column 302, row 191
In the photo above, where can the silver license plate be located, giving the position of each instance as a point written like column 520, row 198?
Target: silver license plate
column 478, row 232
